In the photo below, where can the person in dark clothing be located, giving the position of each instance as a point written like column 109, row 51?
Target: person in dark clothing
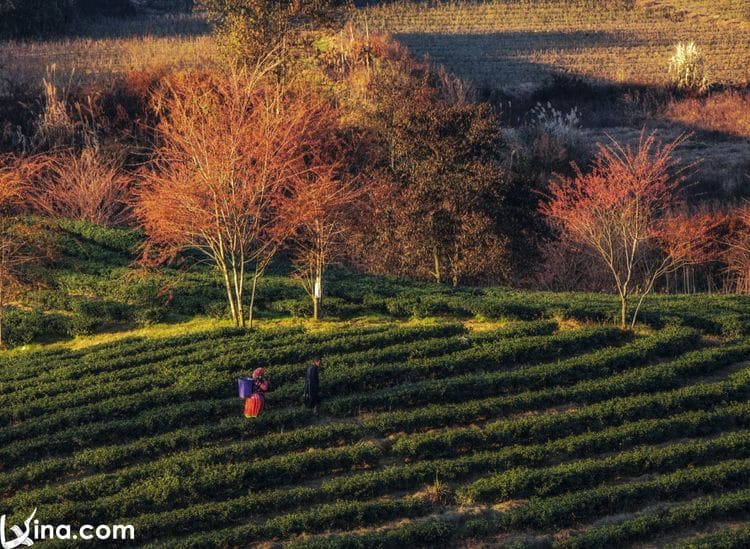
column 310, row 396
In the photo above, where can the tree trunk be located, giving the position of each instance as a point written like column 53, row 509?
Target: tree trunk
column 436, row 259
column 454, row 269
column 317, row 291
column 252, row 299
column 623, row 311
column 230, row 297
column 238, row 294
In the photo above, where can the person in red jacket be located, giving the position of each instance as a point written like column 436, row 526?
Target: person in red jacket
column 255, row 403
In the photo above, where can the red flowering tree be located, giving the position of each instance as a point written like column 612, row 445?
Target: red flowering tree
column 320, row 203
column 627, row 212
column 231, row 148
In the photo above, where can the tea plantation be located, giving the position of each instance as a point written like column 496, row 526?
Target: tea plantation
column 548, row 427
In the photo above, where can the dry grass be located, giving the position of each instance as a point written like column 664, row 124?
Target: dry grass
column 508, row 43
column 110, row 47
column 719, row 11
column 726, row 112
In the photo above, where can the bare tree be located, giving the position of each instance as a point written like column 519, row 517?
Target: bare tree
column 318, row 208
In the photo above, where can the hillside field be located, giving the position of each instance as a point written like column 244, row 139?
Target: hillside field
column 549, row 427
column 517, row 44
column 451, row 415
column 505, row 44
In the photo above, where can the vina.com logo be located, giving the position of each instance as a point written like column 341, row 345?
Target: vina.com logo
column 22, row 536
column 33, row 531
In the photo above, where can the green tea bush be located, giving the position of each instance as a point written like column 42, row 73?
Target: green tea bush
column 21, row 327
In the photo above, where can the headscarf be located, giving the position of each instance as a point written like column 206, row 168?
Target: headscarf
column 259, row 372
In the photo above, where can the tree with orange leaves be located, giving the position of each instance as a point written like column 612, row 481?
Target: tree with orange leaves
column 736, row 243
column 231, row 147
column 628, row 212
column 319, row 204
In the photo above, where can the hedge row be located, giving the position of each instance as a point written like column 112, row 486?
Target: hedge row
column 202, row 385
column 555, row 512
column 181, row 372
column 521, row 483
column 107, row 458
column 66, row 395
column 342, row 514
column 658, row 377
column 568, row 509
column 654, row 378
column 727, row 538
column 19, row 366
column 602, row 362
column 686, row 515
column 291, row 347
column 403, row 476
column 182, row 484
column 148, row 422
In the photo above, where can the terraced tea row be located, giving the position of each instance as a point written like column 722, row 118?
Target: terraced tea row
column 192, row 461
column 416, row 422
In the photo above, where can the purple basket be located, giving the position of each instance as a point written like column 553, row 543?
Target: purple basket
column 246, row 386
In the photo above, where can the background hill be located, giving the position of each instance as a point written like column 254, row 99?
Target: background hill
column 609, row 60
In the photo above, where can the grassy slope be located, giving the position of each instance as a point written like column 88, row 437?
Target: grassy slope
column 517, row 47
column 574, row 413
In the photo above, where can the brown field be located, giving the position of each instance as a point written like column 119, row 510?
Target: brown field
column 109, row 47
column 514, row 43
column 508, row 44
column 517, row 45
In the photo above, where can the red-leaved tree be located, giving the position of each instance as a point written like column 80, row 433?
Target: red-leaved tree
column 231, row 147
column 320, row 203
column 627, row 211
column 737, row 247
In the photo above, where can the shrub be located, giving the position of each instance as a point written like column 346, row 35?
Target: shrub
column 23, row 327
column 150, row 315
column 81, row 325
column 295, row 307
column 686, row 70
column 48, row 299
column 216, row 309
column 120, row 240
column 89, row 186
